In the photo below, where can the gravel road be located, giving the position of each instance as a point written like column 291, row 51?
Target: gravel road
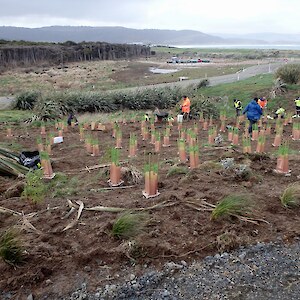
column 262, row 271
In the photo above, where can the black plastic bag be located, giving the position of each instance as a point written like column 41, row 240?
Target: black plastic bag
column 30, row 159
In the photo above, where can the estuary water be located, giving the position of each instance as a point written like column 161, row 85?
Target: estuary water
column 267, row 47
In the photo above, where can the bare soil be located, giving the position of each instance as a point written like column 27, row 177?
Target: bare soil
column 57, row 261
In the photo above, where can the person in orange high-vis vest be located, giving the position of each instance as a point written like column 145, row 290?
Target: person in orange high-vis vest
column 186, row 107
column 262, row 102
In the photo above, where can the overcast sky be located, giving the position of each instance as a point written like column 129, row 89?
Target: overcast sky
column 214, row 16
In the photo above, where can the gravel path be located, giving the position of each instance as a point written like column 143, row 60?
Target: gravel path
column 262, row 271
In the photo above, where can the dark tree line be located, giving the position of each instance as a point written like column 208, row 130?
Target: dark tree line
column 13, row 55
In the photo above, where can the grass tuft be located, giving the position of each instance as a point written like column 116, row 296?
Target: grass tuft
column 129, row 225
column 11, row 249
column 231, row 205
column 291, row 196
column 176, row 170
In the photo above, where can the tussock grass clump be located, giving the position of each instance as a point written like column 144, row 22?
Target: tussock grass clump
column 177, row 170
column 11, row 249
column 132, row 175
column 232, row 205
column 291, row 196
column 129, row 225
column 26, row 100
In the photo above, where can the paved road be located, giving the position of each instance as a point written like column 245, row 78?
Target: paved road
column 5, row 102
column 243, row 74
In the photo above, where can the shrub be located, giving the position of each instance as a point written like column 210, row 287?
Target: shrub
column 203, row 83
column 129, row 225
column 27, row 100
column 35, row 188
column 289, row 73
column 10, row 247
column 201, row 104
column 50, row 108
column 231, row 205
column 291, row 196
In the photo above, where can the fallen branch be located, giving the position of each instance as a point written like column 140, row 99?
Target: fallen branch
column 87, row 168
column 113, row 188
column 159, row 205
column 9, row 211
column 72, row 209
column 27, row 225
column 216, row 148
column 80, row 209
column 71, row 204
column 119, row 209
column 206, row 206
column 70, row 225
column 106, row 209
column 197, row 208
column 185, row 254
column 250, row 220
column 81, row 206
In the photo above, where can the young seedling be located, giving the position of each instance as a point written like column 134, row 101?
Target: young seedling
column 35, row 188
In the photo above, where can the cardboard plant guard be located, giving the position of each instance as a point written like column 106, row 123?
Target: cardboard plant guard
column 181, row 150
column 151, row 179
column 115, row 169
column 282, row 166
column 132, row 145
column 46, row 166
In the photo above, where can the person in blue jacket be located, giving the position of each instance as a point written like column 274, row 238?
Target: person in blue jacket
column 253, row 111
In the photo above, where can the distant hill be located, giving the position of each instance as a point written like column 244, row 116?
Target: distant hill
column 116, row 35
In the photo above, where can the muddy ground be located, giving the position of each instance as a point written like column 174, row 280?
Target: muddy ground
column 57, row 261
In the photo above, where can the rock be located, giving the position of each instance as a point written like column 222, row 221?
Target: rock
column 87, row 269
column 165, row 293
column 132, row 277
column 30, row 297
column 184, row 263
column 242, row 255
column 173, row 266
column 227, row 163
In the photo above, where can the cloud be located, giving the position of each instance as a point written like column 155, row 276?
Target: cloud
column 231, row 16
